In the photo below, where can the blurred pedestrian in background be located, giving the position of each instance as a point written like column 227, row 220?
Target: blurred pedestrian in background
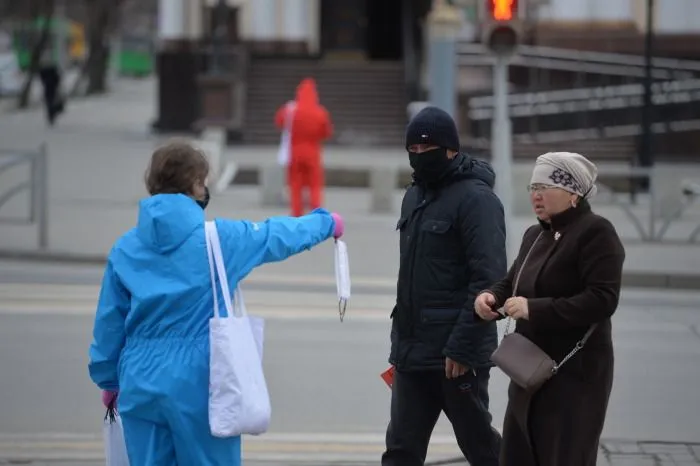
column 50, row 76
column 305, row 124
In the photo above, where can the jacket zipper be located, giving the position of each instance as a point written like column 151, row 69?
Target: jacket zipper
column 418, row 212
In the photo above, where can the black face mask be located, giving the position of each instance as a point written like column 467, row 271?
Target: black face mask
column 429, row 166
column 204, row 202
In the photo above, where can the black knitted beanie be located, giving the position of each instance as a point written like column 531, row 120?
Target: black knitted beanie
column 433, row 126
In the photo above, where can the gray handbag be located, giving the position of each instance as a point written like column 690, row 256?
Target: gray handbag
column 522, row 360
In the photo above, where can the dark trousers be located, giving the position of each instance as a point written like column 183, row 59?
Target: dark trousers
column 51, row 80
column 417, row 398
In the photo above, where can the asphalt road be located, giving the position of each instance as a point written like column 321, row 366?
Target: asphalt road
column 328, row 400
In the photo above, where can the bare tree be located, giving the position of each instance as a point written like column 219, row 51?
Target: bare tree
column 101, row 19
column 45, row 9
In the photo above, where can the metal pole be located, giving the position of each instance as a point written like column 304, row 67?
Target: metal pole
column 646, row 154
column 501, row 148
column 40, row 196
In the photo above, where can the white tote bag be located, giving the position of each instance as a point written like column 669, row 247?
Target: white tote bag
column 285, row 149
column 239, row 402
column 115, row 445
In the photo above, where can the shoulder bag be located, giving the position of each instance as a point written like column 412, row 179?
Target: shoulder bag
column 522, row 360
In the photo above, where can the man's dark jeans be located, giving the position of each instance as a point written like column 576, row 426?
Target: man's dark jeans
column 416, row 402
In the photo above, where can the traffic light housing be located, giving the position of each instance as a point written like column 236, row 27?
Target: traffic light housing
column 502, row 27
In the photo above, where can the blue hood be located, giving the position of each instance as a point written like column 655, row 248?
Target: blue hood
column 167, row 220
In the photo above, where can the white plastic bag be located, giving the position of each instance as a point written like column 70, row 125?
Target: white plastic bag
column 115, row 446
column 342, row 276
column 239, row 402
column 285, row 149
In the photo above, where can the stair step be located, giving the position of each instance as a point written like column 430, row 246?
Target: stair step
column 366, row 101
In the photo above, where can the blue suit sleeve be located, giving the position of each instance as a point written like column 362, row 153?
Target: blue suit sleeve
column 108, row 332
column 247, row 244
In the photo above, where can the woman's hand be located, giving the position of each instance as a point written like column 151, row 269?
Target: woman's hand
column 483, row 305
column 516, row 307
column 339, row 225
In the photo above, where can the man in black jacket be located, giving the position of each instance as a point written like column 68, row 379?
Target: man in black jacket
column 452, row 246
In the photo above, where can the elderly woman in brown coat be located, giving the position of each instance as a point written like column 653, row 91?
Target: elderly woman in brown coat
column 569, row 268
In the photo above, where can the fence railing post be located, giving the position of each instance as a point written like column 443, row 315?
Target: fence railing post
column 42, row 196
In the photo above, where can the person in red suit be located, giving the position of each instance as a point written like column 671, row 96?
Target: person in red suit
column 310, row 125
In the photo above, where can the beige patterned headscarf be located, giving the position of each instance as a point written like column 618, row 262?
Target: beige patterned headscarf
column 569, row 171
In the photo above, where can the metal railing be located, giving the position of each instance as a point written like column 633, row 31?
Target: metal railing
column 657, row 222
column 577, row 61
column 591, row 98
column 598, row 110
column 603, row 100
column 37, row 185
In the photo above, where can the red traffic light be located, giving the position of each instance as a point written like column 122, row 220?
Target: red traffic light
column 502, row 10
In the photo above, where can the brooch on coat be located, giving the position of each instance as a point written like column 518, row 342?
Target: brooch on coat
column 557, row 235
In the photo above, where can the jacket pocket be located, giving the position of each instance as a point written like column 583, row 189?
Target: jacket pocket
column 436, row 226
column 437, row 240
column 439, row 316
column 404, row 238
column 433, row 331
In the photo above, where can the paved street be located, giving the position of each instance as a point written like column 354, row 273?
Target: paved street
column 329, row 403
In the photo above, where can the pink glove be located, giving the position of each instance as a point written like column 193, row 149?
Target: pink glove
column 108, row 397
column 339, row 225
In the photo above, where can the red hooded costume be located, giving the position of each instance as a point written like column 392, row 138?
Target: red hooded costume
column 311, row 125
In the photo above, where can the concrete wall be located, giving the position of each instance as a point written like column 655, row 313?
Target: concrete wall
column 274, row 20
column 587, row 10
column 294, row 20
column 672, row 16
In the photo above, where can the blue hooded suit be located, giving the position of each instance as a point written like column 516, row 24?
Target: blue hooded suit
column 151, row 332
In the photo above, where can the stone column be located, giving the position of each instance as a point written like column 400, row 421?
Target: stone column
column 295, row 28
column 171, row 20
column 177, row 62
column 262, row 15
column 193, row 19
column 296, row 34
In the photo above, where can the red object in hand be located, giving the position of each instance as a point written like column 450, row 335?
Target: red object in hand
column 388, row 376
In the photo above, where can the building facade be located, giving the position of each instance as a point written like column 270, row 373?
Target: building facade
column 319, row 26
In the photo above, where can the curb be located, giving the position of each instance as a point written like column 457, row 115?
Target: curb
column 53, row 256
column 360, row 177
column 663, row 280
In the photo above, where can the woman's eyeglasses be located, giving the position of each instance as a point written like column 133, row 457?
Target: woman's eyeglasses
column 539, row 188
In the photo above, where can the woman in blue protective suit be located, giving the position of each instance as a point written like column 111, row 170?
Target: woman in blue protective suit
column 151, row 331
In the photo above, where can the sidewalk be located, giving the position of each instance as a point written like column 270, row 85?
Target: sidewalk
column 98, row 153
column 612, row 453
column 8, row 103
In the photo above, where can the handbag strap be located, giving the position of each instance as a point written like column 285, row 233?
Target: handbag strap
column 517, row 277
column 576, row 348
column 216, row 261
column 580, row 343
